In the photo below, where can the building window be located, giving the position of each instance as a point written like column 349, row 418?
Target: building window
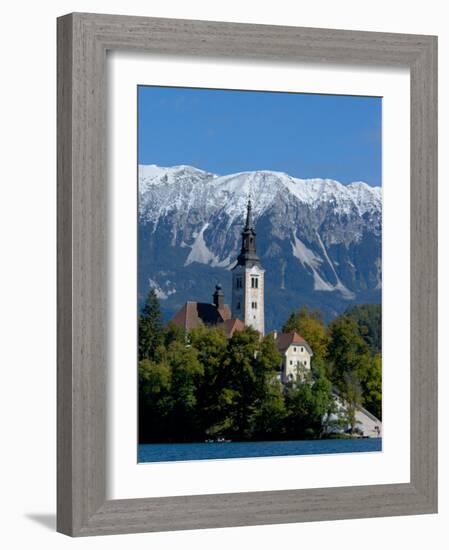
column 238, row 283
column 291, row 362
column 294, row 349
column 238, row 305
column 254, row 282
column 254, row 305
column 302, row 349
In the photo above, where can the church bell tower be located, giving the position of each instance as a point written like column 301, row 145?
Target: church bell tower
column 248, row 280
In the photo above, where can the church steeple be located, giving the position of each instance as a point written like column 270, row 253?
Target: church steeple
column 249, row 216
column 248, row 279
column 248, row 255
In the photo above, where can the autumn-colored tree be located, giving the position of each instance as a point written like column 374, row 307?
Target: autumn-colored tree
column 310, row 326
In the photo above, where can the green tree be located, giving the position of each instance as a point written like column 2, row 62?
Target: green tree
column 308, row 402
column 311, row 327
column 351, row 393
column 269, row 415
column 355, row 372
column 348, row 352
column 186, row 372
column 155, row 402
column 150, row 327
column 214, row 398
column 174, row 333
column 372, row 399
column 369, row 321
column 241, row 382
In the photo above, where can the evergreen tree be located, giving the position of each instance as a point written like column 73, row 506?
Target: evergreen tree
column 150, row 327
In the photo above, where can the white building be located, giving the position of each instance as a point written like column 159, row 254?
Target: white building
column 296, row 355
column 248, row 280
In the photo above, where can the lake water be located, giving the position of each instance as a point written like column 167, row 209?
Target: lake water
column 155, row 452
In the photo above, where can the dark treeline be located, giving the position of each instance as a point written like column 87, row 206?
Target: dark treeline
column 202, row 385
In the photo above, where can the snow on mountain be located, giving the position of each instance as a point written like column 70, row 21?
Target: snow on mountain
column 208, row 191
column 316, row 237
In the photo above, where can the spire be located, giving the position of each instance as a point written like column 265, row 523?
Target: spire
column 248, row 255
column 249, row 216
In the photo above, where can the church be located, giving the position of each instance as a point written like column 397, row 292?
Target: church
column 247, row 306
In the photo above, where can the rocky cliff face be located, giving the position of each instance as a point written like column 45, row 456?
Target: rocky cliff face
column 319, row 240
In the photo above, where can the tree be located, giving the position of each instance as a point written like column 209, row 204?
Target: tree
column 372, row 398
column 369, row 321
column 186, row 372
column 308, row 403
column 351, row 394
column 155, row 402
column 174, row 333
column 241, row 382
column 268, row 420
column 214, row 397
column 348, row 352
column 150, row 327
column 357, row 375
column 311, row 327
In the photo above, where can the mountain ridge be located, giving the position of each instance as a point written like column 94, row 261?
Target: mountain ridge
column 319, row 240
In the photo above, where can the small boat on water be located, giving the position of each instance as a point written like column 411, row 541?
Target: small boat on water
column 218, row 440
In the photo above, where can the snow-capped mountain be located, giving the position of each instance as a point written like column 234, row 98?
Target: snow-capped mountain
column 319, row 240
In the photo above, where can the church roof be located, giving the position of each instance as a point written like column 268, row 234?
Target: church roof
column 232, row 325
column 195, row 314
column 286, row 339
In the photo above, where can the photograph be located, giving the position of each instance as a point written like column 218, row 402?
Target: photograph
column 259, row 273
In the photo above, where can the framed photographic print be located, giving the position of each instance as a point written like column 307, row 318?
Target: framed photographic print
column 247, row 274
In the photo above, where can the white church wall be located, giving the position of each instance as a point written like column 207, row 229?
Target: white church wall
column 295, row 356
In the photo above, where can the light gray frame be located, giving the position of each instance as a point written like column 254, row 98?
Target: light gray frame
column 83, row 40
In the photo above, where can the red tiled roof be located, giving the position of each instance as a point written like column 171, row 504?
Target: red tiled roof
column 286, row 339
column 194, row 314
column 225, row 312
column 232, row 325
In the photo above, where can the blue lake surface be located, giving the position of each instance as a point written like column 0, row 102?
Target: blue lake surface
column 155, row 452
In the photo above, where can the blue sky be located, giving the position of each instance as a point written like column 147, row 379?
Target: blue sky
column 222, row 131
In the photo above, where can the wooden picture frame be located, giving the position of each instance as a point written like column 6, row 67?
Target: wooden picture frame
column 83, row 40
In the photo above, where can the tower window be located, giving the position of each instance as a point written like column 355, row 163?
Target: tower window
column 254, row 282
column 238, row 283
column 254, row 305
